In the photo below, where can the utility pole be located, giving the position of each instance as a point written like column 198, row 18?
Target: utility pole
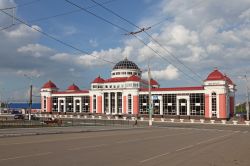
column 247, row 99
column 30, row 102
column 149, row 98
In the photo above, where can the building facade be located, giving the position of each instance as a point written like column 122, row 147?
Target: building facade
column 126, row 93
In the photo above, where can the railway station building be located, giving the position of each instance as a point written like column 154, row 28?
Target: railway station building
column 126, row 93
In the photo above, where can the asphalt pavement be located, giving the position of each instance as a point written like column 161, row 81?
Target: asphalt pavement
column 148, row 146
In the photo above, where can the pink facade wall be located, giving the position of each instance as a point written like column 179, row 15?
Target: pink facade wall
column 136, row 105
column 99, row 104
column 231, row 100
column 90, row 104
column 207, row 106
column 124, row 104
column 222, row 106
column 49, row 104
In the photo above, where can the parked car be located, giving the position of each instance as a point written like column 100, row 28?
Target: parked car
column 19, row 116
column 34, row 117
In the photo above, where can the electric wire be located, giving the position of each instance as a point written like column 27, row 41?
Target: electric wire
column 125, row 30
column 55, row 39
column 131, row 23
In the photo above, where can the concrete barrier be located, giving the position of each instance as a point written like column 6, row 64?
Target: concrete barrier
column 223, row 121
column 85, row 116
column 116, row 117
column 162, row 119
column 212, row 121
column 192, row 120
column 100, row 117
column 124, row 118
column 235, row 122
column 181, row 120
column 153, row 119
column 93, row 117
column 132, row 118
column 202, row 120
column 247, row 123
column 71, row 116
column 172, row 120
column 142, row 118
column 109, row 117
column 78, row 116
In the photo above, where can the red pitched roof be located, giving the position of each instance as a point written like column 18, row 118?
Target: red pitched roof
column 98, row 80
column 116, row 79
column 133, row 78
column 215, row 75
column 70, row 92
column 73, row 87
column 49, row 84
column 229, row 81
column 175, row 89
column 153, row 82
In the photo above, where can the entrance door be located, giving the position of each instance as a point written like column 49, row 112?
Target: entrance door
column 183, row 106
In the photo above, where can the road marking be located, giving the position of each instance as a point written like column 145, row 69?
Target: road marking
column 26, row 156
column 154, row 157
column 186, row 147
column 88, row 147
column 71, row 138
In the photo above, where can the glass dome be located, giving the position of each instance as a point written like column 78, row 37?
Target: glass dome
column 126, row 64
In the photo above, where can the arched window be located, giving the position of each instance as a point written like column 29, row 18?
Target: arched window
column 129, row 104
column 94, row 104
column 214, row 105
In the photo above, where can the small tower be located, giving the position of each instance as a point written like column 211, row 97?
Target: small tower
column 46, row 96
column 218, row 89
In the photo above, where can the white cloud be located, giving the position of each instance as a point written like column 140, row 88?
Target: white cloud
column 30, row 74
column 22, row 31
column 35, row 50
column 169, row 73
column 69, row 30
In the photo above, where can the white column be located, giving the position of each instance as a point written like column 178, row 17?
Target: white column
column 188, row 107
column 64, row 106
column 177, row 107
column 80, row 104
column 109, row 104
column 161, row 105
column 115, row 103
column 58, row 105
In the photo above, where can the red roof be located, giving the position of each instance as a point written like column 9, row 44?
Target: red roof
column 98, row 80
column 229, row 81
column 133, row 78
column 73, row 87
column 215, row 75
column 175, row 89
column 70, row 92
column 153, row 82
column 49, row 84
column 116, row 79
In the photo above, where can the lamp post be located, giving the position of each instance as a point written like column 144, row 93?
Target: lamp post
column 247, row 99
column 149, row 98
column 30, row 96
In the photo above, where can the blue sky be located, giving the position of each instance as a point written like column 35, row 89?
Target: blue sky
column 202, row 34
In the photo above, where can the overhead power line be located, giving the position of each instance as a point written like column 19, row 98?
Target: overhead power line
column 168, row 18
column 126, row 31
column 55, row 39
column 144, row 30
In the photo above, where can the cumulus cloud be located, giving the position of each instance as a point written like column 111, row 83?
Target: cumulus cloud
column 169, row 73
column 35, row 50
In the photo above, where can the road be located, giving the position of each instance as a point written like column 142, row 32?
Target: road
column 158, row 146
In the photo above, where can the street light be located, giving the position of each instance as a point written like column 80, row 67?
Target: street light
column 30, row 96
column 149, row 98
